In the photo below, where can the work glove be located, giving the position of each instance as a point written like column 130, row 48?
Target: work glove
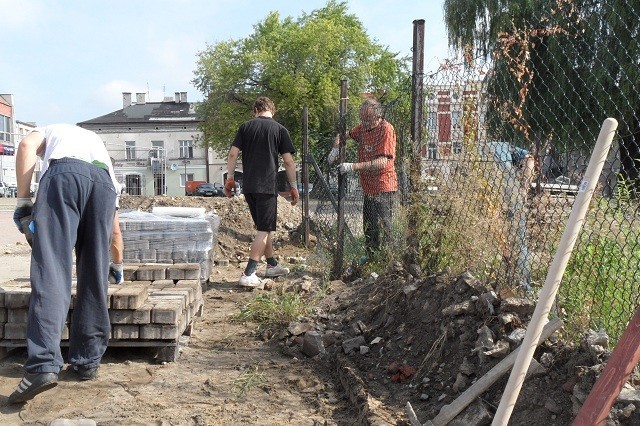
column 229, row 187
column 333, row 155
column 346, row 168
column 24, row 207
column 116, row 273
column 294, row 195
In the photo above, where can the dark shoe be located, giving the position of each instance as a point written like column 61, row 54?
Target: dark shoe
column 31, row 385
column 86, row 373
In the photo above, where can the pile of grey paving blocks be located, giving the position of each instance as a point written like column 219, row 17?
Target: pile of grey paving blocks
column 154, row 307
column 151, row 238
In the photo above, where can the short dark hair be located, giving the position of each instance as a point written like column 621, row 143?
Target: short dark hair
column 263, row 104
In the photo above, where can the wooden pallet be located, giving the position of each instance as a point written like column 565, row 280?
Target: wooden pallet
column 157, row 313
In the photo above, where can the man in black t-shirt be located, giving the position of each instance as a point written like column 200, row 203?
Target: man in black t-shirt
column 261, row 140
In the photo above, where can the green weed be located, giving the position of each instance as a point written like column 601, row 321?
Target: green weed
column 251, row 378
column 275, row 309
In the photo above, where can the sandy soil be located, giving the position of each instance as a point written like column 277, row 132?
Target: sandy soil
column 204, row 387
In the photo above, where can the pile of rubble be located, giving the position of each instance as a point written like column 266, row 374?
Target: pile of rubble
column 426, row 341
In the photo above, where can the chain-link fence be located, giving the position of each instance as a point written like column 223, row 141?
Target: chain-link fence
column 355, row 212
column 507, row 141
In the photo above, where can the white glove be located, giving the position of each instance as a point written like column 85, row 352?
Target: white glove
column 333, row 155
column 346, row 167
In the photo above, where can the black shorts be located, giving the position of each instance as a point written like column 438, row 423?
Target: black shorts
column 264, row 210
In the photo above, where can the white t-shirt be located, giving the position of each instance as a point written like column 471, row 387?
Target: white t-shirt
column 69, row 141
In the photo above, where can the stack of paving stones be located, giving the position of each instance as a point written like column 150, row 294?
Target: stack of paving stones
column 150, row 238
column 154, row 307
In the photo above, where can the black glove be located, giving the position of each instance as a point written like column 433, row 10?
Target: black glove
column 24, row 207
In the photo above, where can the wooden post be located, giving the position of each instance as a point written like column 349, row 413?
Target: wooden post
column 450, row 411
column 619, row 367
column 556, row 270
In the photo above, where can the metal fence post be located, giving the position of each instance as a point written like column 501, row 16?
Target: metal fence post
column 338, row 259
column 305, row 175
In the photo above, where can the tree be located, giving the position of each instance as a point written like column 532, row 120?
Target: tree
column 297, row 63
column 559, row 68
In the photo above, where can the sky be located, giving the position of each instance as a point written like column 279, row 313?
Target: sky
column 70, row 61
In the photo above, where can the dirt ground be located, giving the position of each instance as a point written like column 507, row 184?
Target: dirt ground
column 205, row 385
column 413, row 349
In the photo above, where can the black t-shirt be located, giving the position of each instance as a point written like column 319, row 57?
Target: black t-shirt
column 261, row 140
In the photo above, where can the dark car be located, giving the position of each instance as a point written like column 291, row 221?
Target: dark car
column 206, row 190
column 220, row 189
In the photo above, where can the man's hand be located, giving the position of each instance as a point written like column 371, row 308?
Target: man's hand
column 346, row 168
column 294, row 195
column 116, row 275
column 229, row 187
column 24, row 207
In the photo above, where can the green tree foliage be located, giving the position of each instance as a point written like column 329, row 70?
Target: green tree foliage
column 477, row 23
column 297, row 63
column 559, row 69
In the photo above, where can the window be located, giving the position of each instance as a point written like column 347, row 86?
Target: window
column 157, row 149
column 457, row 146
column 189, row 176
column 432, row 152
column 432, row 120
column 130, row 150
column 5, row 134
column 456, row 117
column 186, row 149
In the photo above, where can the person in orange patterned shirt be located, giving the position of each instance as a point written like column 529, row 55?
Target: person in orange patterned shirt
column 376, row 139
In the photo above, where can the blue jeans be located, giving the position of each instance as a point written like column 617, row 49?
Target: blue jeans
column 377, row 211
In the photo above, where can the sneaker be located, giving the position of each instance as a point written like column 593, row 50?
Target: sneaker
column 250, row 281
column 31, row 385
column 276, row 271
column 86, row 373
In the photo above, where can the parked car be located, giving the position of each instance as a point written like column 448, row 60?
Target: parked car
column 301, row 188
column 7, row 190
column 191, row 186
column 220, row 189
column 207, row 190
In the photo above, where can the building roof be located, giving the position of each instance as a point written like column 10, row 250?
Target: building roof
column 156, row 112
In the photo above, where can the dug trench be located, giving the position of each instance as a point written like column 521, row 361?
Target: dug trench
column 365, row 349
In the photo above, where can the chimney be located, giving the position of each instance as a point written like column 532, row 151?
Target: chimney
column 183, row 96
column 177, row 97
column 126, row 99
column 140, row 98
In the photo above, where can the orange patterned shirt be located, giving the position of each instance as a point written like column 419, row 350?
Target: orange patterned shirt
column 377, row 142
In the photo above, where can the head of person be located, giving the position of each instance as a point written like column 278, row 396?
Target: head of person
column 370, row 113
column 264, row 104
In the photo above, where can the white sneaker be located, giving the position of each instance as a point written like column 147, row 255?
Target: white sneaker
column 276, row 271
column 250, row 281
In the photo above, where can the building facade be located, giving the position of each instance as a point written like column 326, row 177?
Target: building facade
column 155, row 145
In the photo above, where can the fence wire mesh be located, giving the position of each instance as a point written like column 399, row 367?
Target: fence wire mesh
column 507, row 139
column 372, row 198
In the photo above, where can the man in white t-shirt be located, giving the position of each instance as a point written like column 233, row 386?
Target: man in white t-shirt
column 74, row 209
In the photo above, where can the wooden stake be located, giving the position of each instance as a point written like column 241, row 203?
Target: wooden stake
column 556, row 270
column 619, row 367
column 450, row 411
